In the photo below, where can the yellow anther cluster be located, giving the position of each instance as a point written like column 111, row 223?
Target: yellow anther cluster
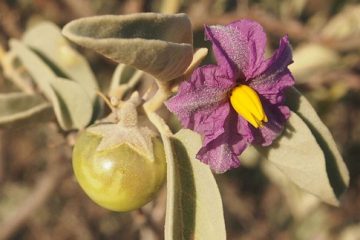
column 246, row 103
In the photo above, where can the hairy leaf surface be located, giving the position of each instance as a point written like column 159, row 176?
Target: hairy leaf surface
column 195, row 210
column 158, row 44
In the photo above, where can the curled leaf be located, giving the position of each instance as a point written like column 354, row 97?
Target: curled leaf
column 159, row 44
column 47, row 40
column 72, row 105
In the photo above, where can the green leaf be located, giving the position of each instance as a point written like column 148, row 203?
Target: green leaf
column 297, row 154
column 15, row 107
column 158, row 44
column 71, row 104
column 194, row 209
column 335, row 167
column 75, row 103
column 300, row 202
column 54, row 48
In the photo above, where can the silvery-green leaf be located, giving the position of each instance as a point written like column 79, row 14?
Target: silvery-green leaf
column 74, row 101
column 300, row 202
column 71, row 104
column 336, row 169
column 158, row 44
column 297, row 154
column 20, row 106
column 40, row 72
column 195, row 210
column 47, row 40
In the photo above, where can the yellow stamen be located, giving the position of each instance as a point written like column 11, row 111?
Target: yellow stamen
column 246, row 103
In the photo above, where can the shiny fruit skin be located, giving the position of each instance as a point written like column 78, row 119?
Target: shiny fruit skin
column 118, row 178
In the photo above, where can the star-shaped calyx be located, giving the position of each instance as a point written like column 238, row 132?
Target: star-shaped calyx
column 126, row 131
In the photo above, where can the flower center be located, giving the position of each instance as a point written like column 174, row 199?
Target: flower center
column 246, row 103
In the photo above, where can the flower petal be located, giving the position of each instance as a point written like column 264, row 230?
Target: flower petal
column 274, row 75
column 244, row 129
column 210, row 124
column 220, row 151
column 202, row 104
column 274, row 78
column 239, row 47
column 277, row 115
column 219, row 155
column 200, row 97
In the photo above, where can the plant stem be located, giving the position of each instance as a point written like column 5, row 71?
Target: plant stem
column 119, row 91
column 150, row 108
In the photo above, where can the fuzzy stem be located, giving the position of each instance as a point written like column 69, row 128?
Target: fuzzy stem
column 119, row 91
column 150, row 107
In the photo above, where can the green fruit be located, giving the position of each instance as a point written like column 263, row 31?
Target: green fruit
column 119, row 177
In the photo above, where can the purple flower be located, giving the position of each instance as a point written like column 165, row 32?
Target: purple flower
column 239, row 101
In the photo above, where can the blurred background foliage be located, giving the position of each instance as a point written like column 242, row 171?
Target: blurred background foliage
column 40, row 199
